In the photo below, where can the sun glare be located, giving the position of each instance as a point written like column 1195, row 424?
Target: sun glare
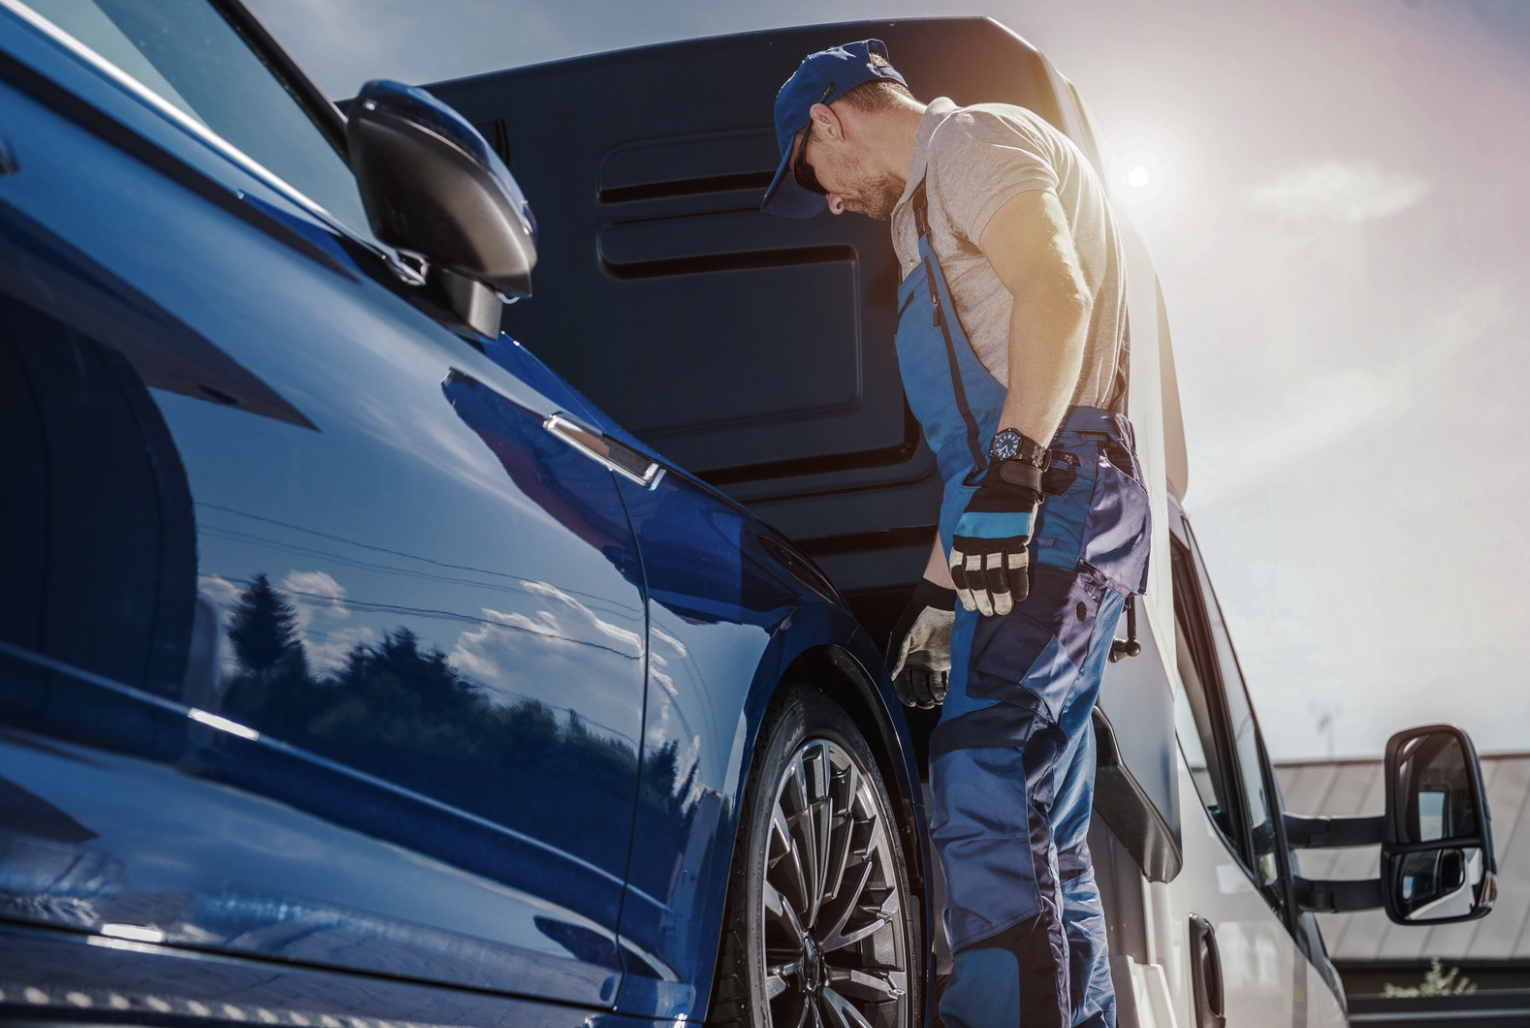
column 1137, row 176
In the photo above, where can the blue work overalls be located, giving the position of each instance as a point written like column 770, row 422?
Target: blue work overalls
column 1012, row 759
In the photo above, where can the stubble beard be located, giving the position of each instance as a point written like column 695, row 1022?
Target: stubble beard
column 880, row 197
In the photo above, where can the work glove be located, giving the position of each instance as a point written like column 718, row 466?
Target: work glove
column 919, row 651
column 989, row 563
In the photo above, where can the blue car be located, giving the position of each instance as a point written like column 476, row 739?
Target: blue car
column 355, row 670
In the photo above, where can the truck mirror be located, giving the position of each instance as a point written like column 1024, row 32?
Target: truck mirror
column 1437, row 852
column 432, row 186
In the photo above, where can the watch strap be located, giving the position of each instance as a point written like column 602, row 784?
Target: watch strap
column 1027, row 450
column 1019, row 472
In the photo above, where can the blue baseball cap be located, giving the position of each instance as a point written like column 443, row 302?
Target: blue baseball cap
column 821, row 78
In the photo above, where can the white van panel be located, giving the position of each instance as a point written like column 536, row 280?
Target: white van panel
column 1265, row 977
column 1146, row 404
column 1323, row 1007
column 1150, row 988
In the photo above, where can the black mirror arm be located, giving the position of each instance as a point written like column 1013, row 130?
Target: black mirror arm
column 1332, row 832
column 1338, row 897
column 472, row 301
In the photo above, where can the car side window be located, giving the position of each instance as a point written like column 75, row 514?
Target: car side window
column 190, row 56
column 1218, row 729
column 1193, row 711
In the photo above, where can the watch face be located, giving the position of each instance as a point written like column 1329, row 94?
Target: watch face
column 1005, row 445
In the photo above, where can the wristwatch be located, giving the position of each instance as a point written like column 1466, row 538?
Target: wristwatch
column 1009, row 444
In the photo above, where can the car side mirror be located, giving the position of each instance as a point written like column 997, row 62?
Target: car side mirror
column 432, row 186
column 1437, row 850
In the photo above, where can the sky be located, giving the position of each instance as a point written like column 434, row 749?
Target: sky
column 1334, row 196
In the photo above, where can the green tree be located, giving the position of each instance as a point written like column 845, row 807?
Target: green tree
column 263, row 629
column 271, row 690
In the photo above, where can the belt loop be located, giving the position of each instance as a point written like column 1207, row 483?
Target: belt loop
column 1097, row 421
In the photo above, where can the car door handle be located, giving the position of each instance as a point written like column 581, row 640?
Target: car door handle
column 617, row 456
column 1206, row 974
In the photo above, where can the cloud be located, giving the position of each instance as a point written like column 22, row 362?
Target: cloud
column 560, row 652
column 219, row 592
column 327, row 651
column 1350, row 193
column 318, row 602
column 222, row 596
column 564, row 626
column 311, row 593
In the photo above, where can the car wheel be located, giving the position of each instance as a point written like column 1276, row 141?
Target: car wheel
column 821, row 928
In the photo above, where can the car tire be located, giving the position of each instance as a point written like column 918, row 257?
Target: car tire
column 819, row 919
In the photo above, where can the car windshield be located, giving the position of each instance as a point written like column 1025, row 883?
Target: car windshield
column 187, row 53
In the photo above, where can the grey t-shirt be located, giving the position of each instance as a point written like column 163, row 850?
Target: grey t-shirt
column 973, row 160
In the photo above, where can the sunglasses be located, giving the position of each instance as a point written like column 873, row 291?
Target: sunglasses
column 802, row 171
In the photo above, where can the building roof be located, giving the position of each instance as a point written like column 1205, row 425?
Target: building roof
column 1355, row 788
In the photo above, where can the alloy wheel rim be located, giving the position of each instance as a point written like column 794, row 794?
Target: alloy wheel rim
column 831, row 911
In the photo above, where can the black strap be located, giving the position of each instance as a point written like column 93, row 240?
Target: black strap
column 1120, row 390
column 1018, row 472
column 921, row 205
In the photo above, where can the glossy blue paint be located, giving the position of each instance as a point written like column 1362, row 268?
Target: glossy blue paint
column 322, row 655
column 724, row 592
column 418, row 609
column 146, row 983
column 414, row 626
column 95, row 839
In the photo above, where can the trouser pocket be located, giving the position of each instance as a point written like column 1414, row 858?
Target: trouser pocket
column 1068, row 486
column 1039, row 648
column 1119, row 522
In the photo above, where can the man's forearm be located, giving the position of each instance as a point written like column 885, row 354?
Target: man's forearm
column 1031, row 249
column 1046, row 354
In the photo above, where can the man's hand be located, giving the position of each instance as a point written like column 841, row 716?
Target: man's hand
column 989, row 563
column 919, row 652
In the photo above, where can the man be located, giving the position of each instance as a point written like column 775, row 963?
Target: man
column 1012, row 344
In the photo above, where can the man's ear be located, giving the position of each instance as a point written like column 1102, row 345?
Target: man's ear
column 827, row 120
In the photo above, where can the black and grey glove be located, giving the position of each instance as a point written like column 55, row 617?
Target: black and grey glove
column 919, row 651
column 989, row 562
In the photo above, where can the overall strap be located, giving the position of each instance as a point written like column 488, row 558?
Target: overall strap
column 921, row 204
column 1120, row 386
column 934, row 279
